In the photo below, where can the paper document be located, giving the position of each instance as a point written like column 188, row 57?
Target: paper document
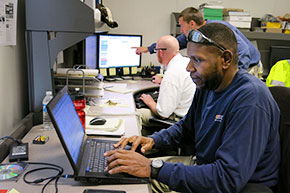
column 119, row 88
column 8, row 21
column 112, row 127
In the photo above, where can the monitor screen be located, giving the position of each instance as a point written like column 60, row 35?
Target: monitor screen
column 115, row 50
column 91, row 52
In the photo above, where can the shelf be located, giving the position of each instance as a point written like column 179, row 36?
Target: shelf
column 266, row 36
column 92, row 86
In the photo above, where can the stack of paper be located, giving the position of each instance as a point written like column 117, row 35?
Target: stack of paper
column 212, row 10
column 239, row 19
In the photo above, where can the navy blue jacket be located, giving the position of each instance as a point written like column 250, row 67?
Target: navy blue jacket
column 248, row 54
column 235, row 137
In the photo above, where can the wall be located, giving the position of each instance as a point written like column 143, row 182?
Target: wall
column 151, row 18
column 13, row 79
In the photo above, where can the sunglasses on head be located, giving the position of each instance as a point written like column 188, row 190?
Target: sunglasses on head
column 198, row 37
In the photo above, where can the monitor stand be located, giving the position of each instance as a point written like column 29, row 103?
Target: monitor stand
column 118, row 78
column 127, row 77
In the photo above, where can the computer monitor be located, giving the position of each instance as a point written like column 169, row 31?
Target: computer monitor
column 115, row 50
column 91, row 52
column 278, row 53
column 112, row 52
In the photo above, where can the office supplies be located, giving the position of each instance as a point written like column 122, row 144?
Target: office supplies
column 11, row 171
column 40, row 139
column 103, row 71
column 102, row 191
column 126, row 70
column 134, row 70
column 83, row 153
column 112, row 71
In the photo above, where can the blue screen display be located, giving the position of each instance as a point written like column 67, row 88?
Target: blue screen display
column 69, row 125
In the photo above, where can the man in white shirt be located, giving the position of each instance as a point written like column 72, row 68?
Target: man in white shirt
column 176, row 89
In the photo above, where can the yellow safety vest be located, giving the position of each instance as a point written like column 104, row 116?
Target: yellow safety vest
column 279, row 74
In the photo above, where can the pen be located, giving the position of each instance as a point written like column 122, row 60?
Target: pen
column 108, row 87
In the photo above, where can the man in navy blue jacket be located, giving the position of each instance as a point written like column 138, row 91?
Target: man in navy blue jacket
column 232, row 125
column 192, row 19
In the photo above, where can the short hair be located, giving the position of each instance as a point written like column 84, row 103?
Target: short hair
column 223, row 35
column 192, row 13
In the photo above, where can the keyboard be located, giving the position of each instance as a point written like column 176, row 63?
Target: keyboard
column 140, row 104
column 97, row 162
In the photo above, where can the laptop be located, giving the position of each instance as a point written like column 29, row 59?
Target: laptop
column 83, row 152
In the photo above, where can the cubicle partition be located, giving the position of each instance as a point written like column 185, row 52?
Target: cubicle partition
column 51, row 26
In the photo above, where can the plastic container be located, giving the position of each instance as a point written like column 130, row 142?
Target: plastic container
column 79, row 101
column 47, row 124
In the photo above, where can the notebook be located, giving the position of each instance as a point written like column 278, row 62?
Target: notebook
column 83, row 152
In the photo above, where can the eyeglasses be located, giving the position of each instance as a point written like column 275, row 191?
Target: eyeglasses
column 155, row 49
column 197, row 37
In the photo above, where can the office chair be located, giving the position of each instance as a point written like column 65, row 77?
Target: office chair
column 164, row 123
column 282, row 98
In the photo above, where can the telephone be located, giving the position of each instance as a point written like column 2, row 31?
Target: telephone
column 106, row 16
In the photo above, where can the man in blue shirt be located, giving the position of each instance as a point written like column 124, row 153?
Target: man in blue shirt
column 232, row 126
column 192, row 19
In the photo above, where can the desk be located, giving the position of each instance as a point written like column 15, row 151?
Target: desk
column 52, row 152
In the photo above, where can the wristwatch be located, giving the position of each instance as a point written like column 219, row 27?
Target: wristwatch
column 156, row 165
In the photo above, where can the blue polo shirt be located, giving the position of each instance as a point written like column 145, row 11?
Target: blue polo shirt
column 249, row 55
column 234, row 134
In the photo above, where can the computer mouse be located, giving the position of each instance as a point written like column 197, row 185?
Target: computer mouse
column 98, row 121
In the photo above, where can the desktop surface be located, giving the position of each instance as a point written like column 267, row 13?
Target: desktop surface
column 52, row 151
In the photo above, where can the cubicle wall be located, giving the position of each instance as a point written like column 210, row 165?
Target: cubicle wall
column 268, row 45
column 51, row 26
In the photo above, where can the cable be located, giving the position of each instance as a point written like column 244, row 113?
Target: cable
column 12, row 138
column 56, row 177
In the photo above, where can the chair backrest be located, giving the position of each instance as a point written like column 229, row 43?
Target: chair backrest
column 282, row 97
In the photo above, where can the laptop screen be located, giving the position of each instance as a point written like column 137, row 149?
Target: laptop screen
column 68, row 123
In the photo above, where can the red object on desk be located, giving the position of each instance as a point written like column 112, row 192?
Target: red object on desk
column 79, row 101
column 3, row 191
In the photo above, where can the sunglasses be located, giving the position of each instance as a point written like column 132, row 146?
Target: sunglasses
column 155, row 49
column 198, row 37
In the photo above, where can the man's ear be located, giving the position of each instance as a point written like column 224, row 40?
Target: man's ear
column 227, row 58
column 193, row 25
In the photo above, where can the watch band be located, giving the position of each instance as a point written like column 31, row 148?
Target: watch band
column 156, row 165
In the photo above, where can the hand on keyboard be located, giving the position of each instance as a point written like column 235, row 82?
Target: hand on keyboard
column 129, row 146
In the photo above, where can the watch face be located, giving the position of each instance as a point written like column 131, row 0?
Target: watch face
column 157, row 163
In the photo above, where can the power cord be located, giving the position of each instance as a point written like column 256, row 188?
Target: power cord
column 56, row 177
column 12, row 138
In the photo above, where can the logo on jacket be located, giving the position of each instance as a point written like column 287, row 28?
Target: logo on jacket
column 219, row 118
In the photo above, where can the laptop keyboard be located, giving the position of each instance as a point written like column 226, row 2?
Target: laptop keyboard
column 97, row 162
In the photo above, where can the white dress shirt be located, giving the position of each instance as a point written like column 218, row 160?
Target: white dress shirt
column 176, row 89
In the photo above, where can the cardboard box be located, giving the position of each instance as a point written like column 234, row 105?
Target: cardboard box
column 267, row 24
column 274, row 30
